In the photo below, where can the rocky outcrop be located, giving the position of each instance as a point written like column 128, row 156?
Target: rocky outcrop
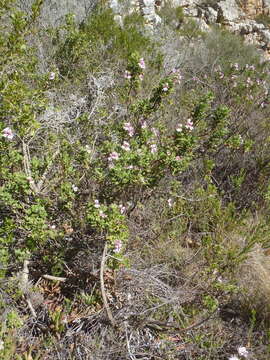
column 228, row 11
column 53, row 12
column 240, row 20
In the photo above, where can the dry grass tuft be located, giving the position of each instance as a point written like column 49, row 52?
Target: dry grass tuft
column 254, row 279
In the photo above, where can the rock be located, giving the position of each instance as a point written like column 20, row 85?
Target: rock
column 228, row 11
column 265, row 34
column 147, row 8
column 191, row 11
column 211, row 15
column 201, row 24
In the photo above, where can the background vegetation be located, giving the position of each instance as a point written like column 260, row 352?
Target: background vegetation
column 134, row 190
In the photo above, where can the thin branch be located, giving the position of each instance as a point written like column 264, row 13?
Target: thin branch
column 102, row 287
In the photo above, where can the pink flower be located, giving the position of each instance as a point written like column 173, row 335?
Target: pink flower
column 141, row 63
column 7, row 133
column 97, row 205
column 129, row 128
column 113, row 156
column 118, row 246
column 153, row 148
column 127, row 75
column 141, row 77
column 178, row 158
column 125, row 146
column 189, row 125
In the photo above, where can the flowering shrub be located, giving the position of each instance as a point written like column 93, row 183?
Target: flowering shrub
column 109, row 147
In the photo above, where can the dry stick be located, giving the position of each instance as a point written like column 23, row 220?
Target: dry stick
column 54, row 278
column 24, row 281
column 102, row 287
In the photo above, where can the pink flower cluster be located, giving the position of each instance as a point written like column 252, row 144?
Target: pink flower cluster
column 129, row 128
column 118, row 246
column 189, row 125
column 141, row 63
column 7, row 133
column 112, row 157
column 125, row 146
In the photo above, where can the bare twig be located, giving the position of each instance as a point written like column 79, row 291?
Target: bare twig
column 54, row 278
column 31, row 307
column 102, row 287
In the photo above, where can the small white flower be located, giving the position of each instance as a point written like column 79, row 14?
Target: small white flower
column 242, row 351
column 101, row 214
column 74, row 188
column 165, row 87
column 97, row 205
column 52, row 75
column 234, row 357
column 125, row 146
column 127, row 75
column 170, row 202
column 1, row 345
column 88, row 149
column 122, row 208
column 153, row 148
column 144, row 125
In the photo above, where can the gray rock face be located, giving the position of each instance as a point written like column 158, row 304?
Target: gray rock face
column 211, row 15
column 148, row 10
column 54, row 11
column 228, row 11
